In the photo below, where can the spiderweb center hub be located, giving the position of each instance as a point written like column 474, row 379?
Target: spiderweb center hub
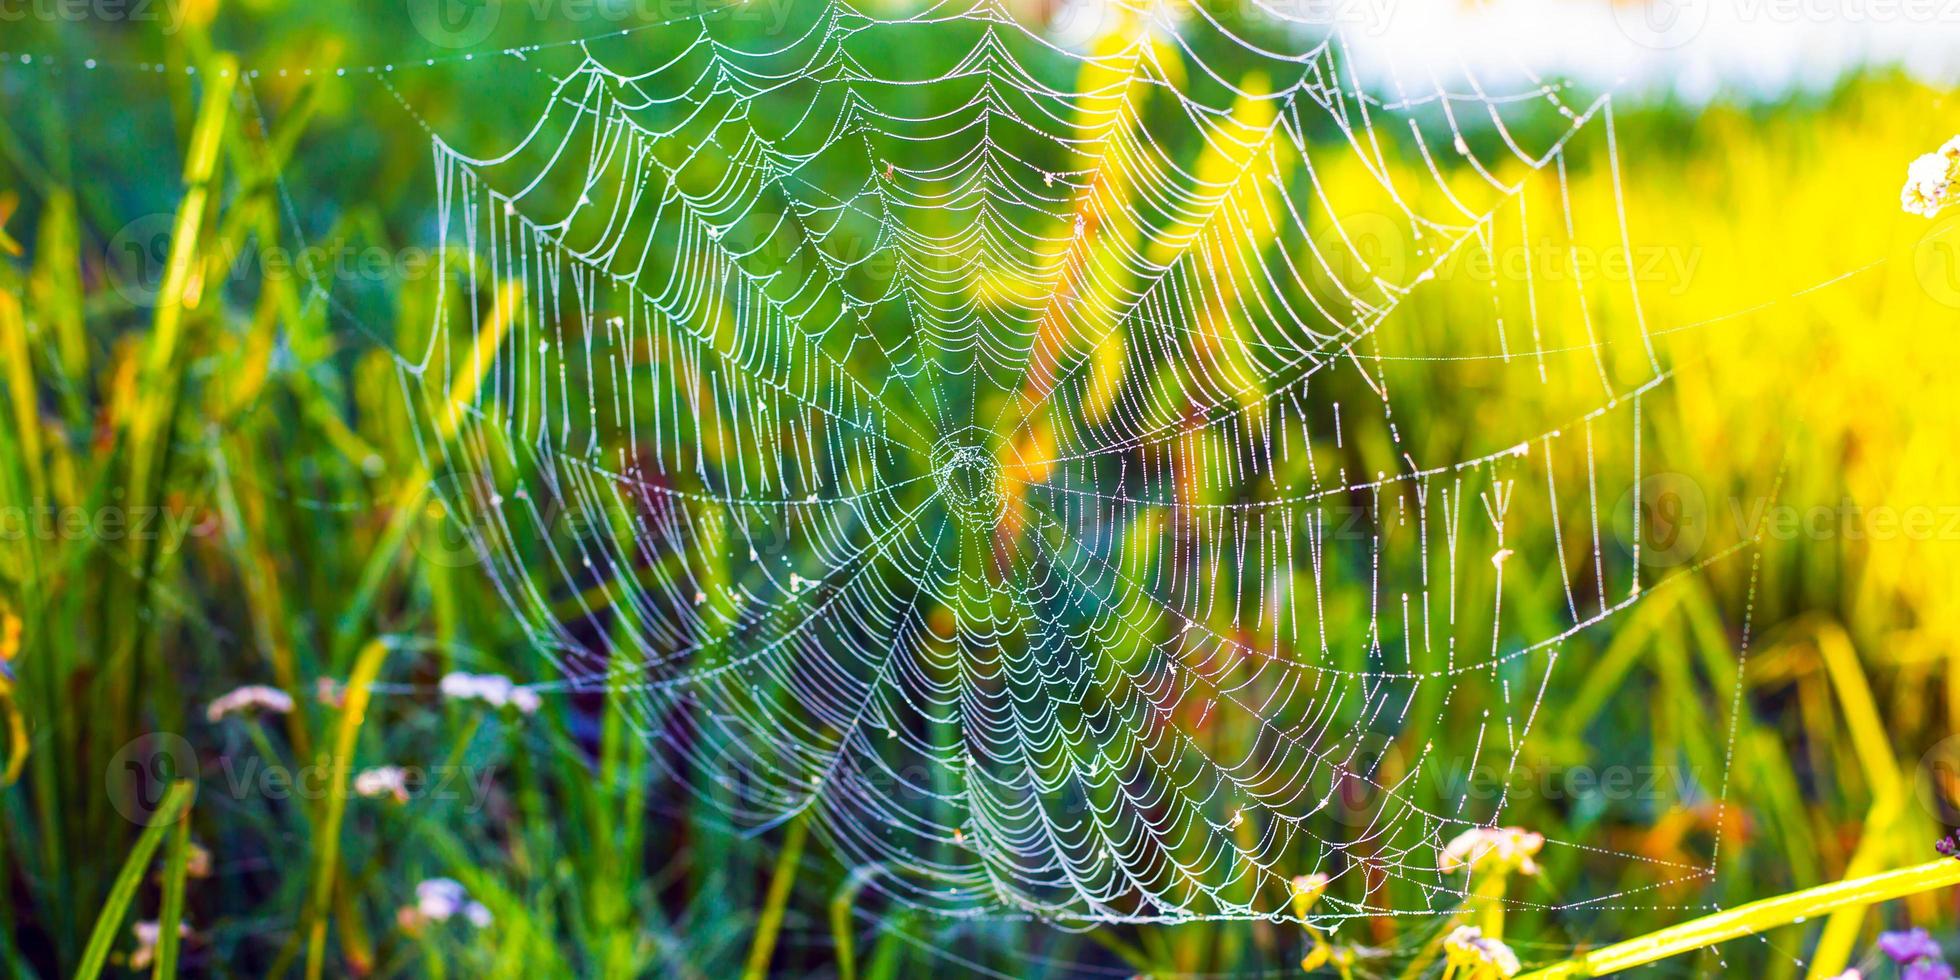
column 968, row 479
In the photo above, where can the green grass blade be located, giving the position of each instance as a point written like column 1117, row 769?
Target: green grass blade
column 840, row 918
column 787, row 864
column 116, row 907
column 170, row 919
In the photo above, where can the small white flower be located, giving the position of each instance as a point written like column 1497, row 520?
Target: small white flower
column 1931, row 179
column 251, row 697
column 1469, row 948
column 147, row 934
column 1502, row 957
column 457, row 685
column 495, row 690
column 461, row 686
column 1502, row 849
column 442, row 899
column 525, row 700
column 330, row 692
column 382, row 781
column 439, row 898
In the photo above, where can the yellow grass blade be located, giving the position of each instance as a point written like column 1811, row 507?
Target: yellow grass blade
column 772, row 910
column 1756, row 917
column 353, row 711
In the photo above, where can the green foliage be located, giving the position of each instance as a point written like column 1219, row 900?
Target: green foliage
column 258, row 429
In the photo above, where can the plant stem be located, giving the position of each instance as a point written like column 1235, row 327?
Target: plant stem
column 787, row 864
column 116, row 908
column 170, row 918
column 1756, row 917
column 414, row 492
column 353, row 710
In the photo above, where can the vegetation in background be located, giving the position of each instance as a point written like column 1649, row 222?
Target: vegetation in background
column 253, row 426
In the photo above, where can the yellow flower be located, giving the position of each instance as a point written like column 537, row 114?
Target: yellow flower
column 8, row 202
column 9, row 637
column 1316, row 958
column 1307, row 890
column 10, row 627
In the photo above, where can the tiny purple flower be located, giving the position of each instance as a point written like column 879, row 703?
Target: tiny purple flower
column 1905, row 947
column 1926, row 969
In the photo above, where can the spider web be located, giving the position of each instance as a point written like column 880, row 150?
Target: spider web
column 986, row 449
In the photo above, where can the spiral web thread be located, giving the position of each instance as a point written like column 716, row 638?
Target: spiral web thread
column 985, row 449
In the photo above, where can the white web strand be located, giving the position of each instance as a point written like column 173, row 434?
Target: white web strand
column 985, row 483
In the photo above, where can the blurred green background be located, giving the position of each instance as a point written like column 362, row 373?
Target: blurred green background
column 264, row 421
